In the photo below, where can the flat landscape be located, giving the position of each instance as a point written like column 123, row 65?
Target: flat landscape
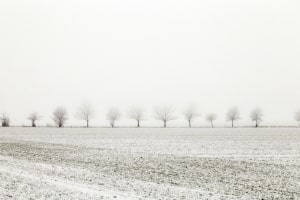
column 149, row 163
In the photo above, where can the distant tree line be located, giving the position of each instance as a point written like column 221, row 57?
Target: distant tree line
column 164, row 114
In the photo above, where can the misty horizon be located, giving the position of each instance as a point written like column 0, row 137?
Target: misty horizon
column 121, row 54
column 149, row 119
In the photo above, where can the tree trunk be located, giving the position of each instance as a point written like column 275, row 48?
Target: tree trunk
column 87, row 123
column 232, row 123
column 60, row 125
column 212, row 125
column 256, row 123
column 190, row 124
column 138, row 123
column 33, row 123
column 112, row 124
column 165, row 124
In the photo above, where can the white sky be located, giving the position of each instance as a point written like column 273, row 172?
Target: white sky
column 215, row 54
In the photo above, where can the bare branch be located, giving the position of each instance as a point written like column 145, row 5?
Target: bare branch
column 5, row 120
column 211, row 117
column 233, row 114
column 60, row 116
column 33, row 117
column 85, row 112
column 256, row 115
column 190, row 114
column 113, row 115
column 164, row 114
column 137, row 114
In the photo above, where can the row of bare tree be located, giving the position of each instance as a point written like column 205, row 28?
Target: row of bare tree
column 163, row 114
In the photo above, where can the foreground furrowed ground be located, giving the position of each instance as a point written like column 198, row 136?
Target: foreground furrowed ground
column 149, row 163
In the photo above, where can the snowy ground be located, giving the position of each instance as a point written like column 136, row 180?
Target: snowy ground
column 153, row 163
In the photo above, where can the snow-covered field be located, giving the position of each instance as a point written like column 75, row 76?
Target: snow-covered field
column 171, row 163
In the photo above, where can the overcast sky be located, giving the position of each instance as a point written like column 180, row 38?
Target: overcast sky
column 215, row 54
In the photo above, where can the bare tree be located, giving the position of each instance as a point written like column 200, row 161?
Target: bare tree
column 190, row 114
column 164, row 114
column 137, row 114
column 113, row 115
column 297, row 117
column 256, row 115
column 85, row 112
column 5, row 121
column 211, row 117
column 33, row 117
column 60, row 116
column 233, row 114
